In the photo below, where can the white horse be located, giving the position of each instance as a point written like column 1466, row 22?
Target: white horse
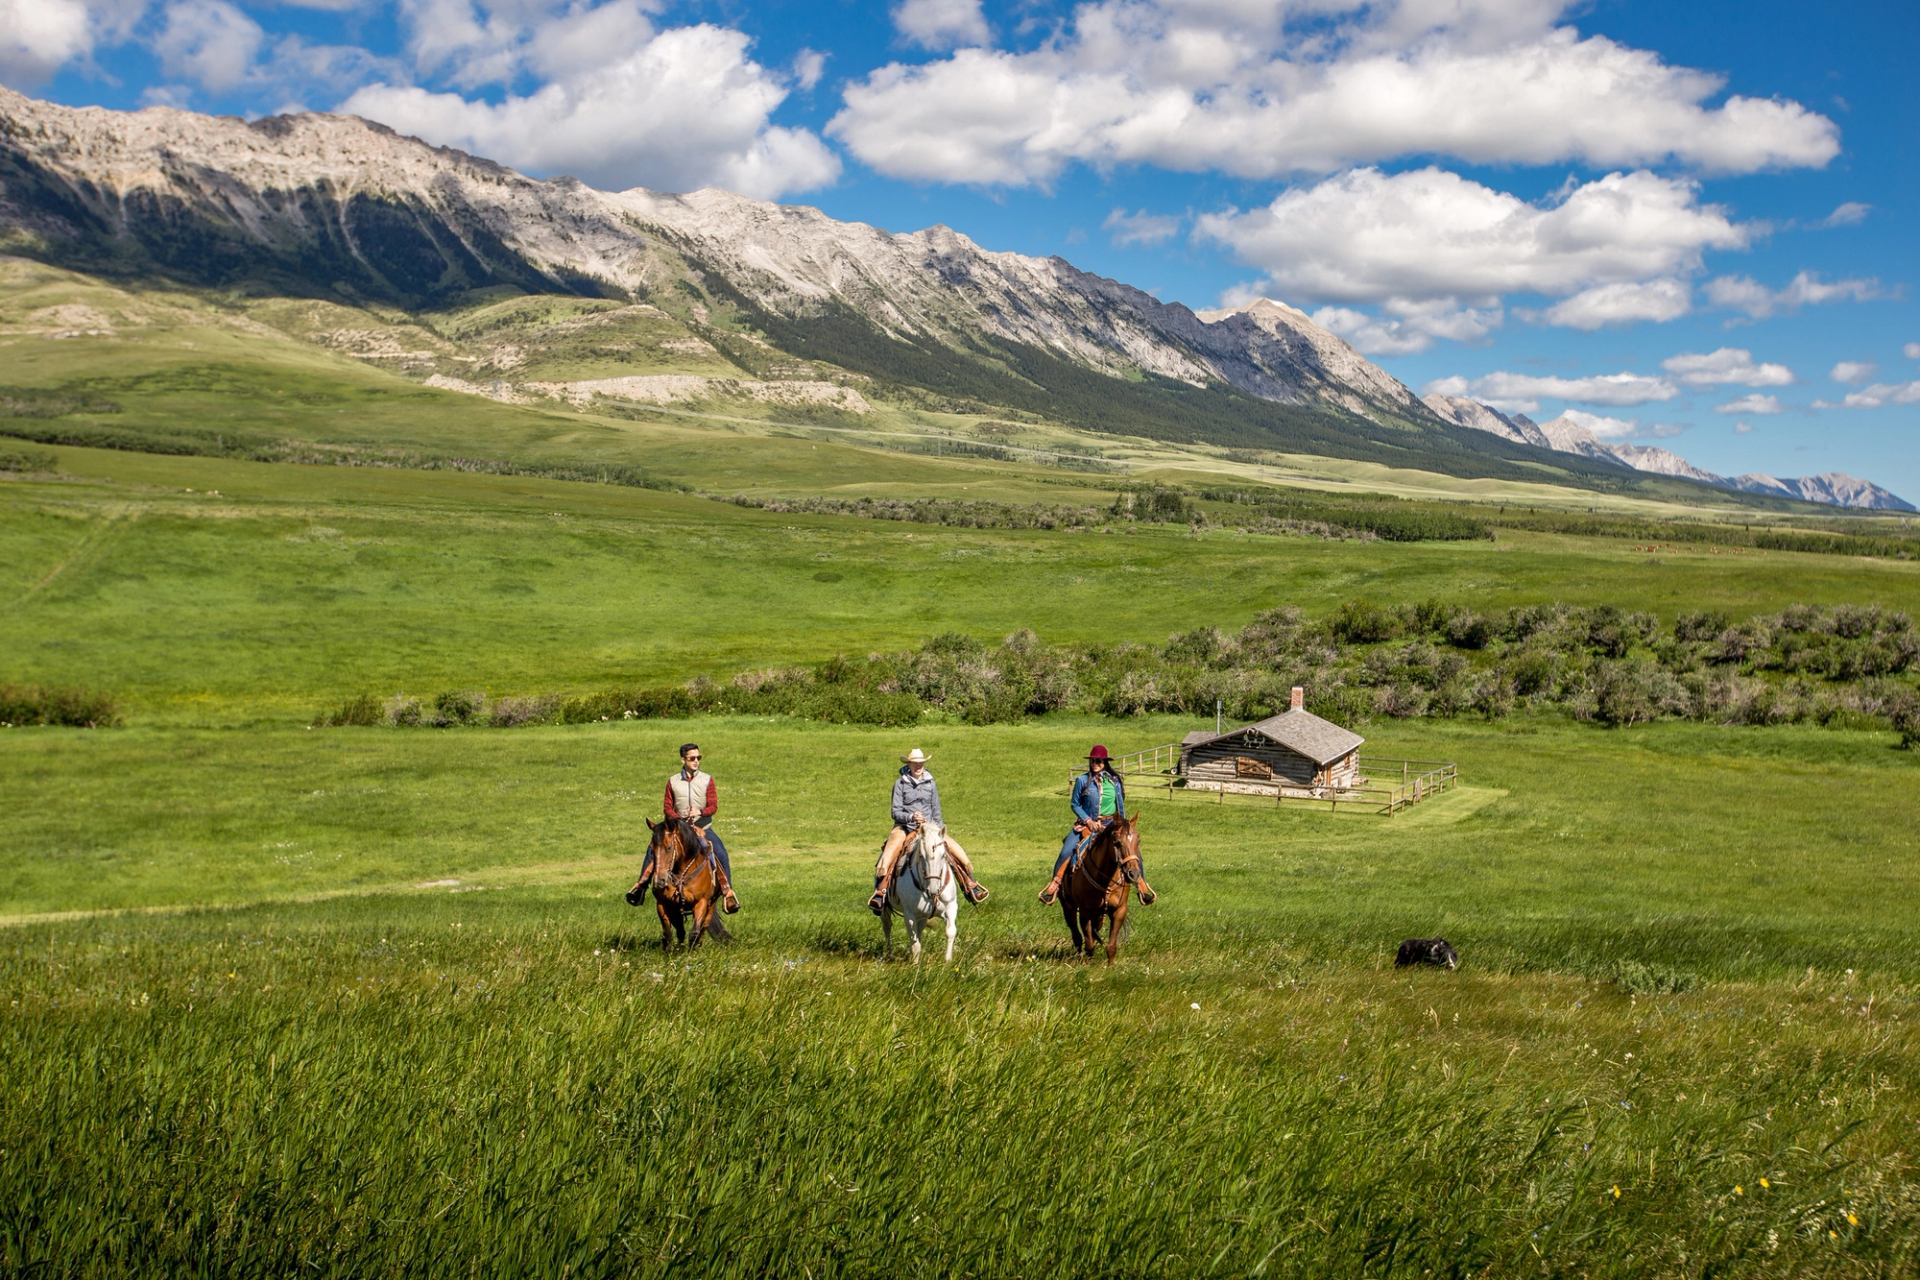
column 923, row 887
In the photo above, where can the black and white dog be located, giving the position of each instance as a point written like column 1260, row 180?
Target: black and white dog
column 1436, row 951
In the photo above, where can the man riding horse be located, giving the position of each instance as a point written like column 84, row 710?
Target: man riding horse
column 916, row 802
column 692, row 796
column 1099, row 798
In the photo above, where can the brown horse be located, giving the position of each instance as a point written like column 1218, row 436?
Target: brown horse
column 685, row 883
column 1095, row 891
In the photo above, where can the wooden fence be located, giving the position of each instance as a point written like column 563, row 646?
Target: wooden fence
column 1385, row 784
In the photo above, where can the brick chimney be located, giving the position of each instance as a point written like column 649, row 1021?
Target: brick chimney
column 1298, row 700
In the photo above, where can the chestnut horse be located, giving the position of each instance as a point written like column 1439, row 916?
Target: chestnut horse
column 1095, row 891
column 684, row 884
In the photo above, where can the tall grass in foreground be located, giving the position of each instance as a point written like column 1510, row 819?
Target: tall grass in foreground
column 478, row 1084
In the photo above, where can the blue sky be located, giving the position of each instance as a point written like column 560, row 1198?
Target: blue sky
column 1692, row 224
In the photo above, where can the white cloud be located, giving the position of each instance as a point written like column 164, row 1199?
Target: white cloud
column 1601, row 427
column 1261, row 91
column 1365, row 235
column 1744, row 294
column 687, row 108
column 808, row 66
column 582, row 40
column 1877, row 396
column 1854, row 371
column 1142, row 227
column 1625, row 302
column 942, row 24
column 1753, row 403
column 1728, row 366
column 1409, row 325
column 209, row 42
column 1522, row 393
column 1743, row 428
column 38, row 37
column 1850, row 214
column 1911, row 351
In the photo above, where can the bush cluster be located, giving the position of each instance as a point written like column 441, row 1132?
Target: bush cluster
column 1846, row 666
column 28, row 704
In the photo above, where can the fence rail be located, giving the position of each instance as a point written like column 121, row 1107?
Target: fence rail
column 1376, row 789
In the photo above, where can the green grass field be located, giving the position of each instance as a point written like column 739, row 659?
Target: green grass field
column 368, row 1001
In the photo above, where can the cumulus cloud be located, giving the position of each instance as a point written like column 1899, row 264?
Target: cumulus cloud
column 1603, row 428
column 1625, row 302
column 1365, row 235
column 1749, row 296
column 1742, row 428
column 1141, row 228
column 1877, row 396
column 686, row 108
column 209, row 42
column 1911, row 351
column 941, row 24
column 1754, row 403
column 1263, row 90
column 1851, row 371
column 1728, row 366
column 1409, row 326
column 38, row 37
column 1522, row 393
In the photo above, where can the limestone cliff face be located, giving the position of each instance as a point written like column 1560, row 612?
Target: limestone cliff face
column 339, row 203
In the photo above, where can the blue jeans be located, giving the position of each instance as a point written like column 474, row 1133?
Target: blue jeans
column 720, row 852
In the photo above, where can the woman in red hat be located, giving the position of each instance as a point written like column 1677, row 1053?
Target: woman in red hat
column 1098, row 797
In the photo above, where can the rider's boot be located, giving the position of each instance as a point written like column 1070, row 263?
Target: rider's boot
column 638, row 894
column 975, row 891
column 881, row 884
column 728, row 903
column 1052, row 891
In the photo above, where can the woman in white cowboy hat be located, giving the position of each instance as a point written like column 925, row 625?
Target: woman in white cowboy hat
column 916, row 802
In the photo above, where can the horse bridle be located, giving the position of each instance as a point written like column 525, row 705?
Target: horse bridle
column 1128, row 862
column 677, row 881
column 918, row 851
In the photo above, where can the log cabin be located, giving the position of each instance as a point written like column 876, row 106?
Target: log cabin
column 1294, row 750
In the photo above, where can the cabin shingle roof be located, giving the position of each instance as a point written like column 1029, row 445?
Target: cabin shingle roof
column 1298, row 730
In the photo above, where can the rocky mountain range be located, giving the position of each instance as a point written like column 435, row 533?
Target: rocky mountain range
column 348, row 210
column 1566, row 435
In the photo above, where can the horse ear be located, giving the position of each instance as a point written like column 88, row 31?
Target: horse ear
column 652, row 826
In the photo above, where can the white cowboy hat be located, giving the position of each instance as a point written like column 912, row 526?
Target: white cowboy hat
column 915, row 756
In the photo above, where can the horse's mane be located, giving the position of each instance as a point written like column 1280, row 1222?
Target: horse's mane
column 683, row 828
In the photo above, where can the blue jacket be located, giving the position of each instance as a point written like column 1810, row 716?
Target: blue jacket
column 909, row 795
column 1086, row 797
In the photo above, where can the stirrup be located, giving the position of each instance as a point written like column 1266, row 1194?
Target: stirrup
column 977, row 893
column 1050, row 893
column 878, row 902
column 729, row 902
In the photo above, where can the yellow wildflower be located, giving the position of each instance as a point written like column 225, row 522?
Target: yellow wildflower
column 1616, row 1191
column 1739, row 1190
column 1851, row 1220
column 1764, row 1184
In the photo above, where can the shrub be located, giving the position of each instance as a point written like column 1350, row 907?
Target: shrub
column 515, row 712
column 404, row 712
column 24, row 704
column 1699, row 628
column 1469, row 630
column 1363, row 622
column 362, row 709
column 1904, row 712
column 1621, row 693
column 456, row 707
column 27, row 460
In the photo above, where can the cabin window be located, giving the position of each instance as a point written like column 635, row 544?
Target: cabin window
column 1247, row 767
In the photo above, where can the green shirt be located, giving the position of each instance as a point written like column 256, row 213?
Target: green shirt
column 1106, row 796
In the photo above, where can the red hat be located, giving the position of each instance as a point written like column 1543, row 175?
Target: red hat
column 1098, row 753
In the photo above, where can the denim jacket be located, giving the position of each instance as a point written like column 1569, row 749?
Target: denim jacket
column 1086, row 797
